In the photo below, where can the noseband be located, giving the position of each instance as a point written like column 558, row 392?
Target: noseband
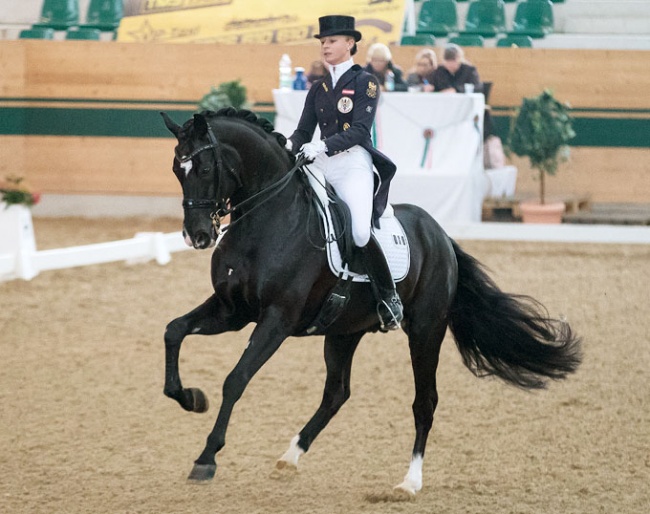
column 218, row 206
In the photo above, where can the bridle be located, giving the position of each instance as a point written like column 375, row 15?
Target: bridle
column 219, row 207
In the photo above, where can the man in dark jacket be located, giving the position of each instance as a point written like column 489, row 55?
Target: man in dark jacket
column 455, row 72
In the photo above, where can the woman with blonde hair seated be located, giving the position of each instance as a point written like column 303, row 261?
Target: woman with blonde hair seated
column 379, row 62
column 421, row 75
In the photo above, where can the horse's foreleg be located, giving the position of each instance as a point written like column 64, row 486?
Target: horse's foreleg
column 425, row 353
column 339, row 351
column 202, row 320
column 265, row 340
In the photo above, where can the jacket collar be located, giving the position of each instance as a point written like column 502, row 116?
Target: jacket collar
column 344, row 79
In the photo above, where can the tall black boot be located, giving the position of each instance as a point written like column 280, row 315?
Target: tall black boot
column 389, row 305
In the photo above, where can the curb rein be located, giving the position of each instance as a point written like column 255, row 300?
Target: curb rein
column 220, row 210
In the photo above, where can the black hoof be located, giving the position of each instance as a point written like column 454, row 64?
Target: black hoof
column 199, row 401
column 202, row 472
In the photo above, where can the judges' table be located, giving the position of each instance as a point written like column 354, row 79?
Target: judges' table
column 436, row 141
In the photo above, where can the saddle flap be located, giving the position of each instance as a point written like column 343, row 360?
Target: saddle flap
column 339, row 245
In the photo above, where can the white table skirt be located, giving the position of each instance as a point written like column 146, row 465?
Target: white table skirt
column 436, row 141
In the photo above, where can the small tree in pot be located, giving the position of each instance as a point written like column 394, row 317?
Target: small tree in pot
column 541, row 132
column 228, row 94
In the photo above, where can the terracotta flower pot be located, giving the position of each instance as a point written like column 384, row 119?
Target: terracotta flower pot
column 534, row 212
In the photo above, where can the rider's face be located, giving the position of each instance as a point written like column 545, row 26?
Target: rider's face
column 336, row 49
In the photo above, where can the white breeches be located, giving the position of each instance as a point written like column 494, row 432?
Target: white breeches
column 350, row 174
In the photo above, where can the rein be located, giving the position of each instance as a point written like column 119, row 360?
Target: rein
column 273, row 190
column 218, row 206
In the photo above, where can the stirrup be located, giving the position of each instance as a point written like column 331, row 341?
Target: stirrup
column 390, row 313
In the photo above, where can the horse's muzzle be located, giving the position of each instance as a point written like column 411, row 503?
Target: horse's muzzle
column 200, row 241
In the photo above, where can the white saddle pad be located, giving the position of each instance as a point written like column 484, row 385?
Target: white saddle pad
column 390, row 235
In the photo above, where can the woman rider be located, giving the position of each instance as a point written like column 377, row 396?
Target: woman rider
column 343, row 104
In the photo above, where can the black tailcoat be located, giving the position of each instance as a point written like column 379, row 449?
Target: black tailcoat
column 345, row 115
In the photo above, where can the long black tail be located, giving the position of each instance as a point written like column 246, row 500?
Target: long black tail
column 507, row 335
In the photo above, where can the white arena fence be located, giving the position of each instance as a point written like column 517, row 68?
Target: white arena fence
column 19, row 258
column 145, row 246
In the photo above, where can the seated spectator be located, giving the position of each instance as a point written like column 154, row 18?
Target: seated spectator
column 316, row 71
column 379, row 63
column 454, row 72
column 422, row 74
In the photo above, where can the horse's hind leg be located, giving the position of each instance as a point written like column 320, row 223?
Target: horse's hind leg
column 202, row 320
column 424, row 343
column 339, row 351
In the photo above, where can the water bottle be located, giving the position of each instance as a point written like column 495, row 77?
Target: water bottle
column 285, row 72
column 389, row 81
column 300, row 82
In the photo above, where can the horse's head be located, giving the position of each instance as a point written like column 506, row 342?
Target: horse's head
column 207, row 171
column 223, row 157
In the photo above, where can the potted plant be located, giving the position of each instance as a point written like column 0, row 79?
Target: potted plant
column 16, row 229
column 541, row 131
column 228, row 94
column 15, row 191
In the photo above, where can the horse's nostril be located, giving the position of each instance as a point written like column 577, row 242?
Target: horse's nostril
column 202, row 240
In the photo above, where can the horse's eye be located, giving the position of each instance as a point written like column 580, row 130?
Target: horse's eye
column 205, row 170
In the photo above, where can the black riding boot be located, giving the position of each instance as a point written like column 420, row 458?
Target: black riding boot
column 389, row 306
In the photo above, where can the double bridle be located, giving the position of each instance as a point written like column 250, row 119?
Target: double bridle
column 219, row 207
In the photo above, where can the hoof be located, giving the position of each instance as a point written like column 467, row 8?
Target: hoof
column 199, row 401
column 286, row 466
column 405, row 490
column 284, row 471
column 202, row 472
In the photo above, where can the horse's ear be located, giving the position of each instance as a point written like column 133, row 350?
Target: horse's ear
column 173, row 127
column 200, row 125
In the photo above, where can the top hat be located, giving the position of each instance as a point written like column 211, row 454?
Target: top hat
column 337, row 25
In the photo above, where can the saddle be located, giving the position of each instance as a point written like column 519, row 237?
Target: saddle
column 336, row 228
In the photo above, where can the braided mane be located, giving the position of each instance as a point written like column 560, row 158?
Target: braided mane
column 262, row 124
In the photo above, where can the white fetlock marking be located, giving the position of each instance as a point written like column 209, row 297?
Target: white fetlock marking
column 293, row 454
column 413, row 480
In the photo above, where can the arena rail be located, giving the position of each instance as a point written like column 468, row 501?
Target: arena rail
column 25, row 263
column 145, row 246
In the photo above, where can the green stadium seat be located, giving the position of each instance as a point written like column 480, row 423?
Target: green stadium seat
column 419, row 40
column 37, row 33
column 534, row 18
column 467, row 40
column 59, row 14
column 486, row 17
column 437, row 17
column 104, row 15
column 84, row 33
column 517, row 40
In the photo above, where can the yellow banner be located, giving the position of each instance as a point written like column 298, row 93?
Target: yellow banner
column 254, row 21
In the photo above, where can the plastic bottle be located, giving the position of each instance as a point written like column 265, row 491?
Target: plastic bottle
column 285, row 72
column 389, row 81
column 300, row 82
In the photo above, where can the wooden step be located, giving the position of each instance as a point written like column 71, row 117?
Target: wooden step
column 508, row 206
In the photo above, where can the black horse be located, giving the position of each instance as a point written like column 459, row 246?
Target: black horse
column 267, row 270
